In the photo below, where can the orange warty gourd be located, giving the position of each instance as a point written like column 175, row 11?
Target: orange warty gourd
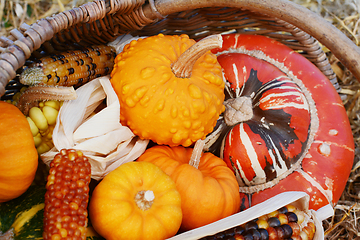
column 18, row 155
column 209, row 190
column 136, row 201
column 170, row 89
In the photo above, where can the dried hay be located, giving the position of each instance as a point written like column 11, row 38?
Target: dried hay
column 344, row 14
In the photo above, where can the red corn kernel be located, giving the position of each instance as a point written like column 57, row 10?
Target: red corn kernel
column 239, row 237
column 295, row 227
column 272, row 233
column 309, row 230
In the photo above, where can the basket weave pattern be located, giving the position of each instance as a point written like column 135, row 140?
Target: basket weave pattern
column 101, row 21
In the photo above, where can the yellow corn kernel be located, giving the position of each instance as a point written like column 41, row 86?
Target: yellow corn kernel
column 16, row 96
column 45, row 116
column 291, row 208
column 303, row 235
column 44, row 133
column 34, row 129
column 43, row 148
column 52, row 103
column 273, row 214
column 37, row 139
column 48, row 135
column 300, row 215
column 50, row 114
column 49, row 142
column 38, row 117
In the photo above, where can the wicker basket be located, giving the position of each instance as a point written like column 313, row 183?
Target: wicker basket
column 101, row 21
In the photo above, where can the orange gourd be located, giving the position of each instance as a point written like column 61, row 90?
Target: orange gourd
column 170, row 89
column 18, row 155
column 136, row 201
column 208, row 189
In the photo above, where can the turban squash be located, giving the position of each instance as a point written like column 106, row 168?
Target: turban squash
column 284, row 127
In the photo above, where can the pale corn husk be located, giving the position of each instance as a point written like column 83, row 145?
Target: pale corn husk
column 298, row 199
column 100, row 136
column 120, row 42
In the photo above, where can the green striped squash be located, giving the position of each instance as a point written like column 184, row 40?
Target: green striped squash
column 23, row 217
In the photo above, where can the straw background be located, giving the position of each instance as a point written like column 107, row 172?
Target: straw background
column 344, row 14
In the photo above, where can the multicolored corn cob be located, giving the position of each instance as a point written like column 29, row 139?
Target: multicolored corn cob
column 71, row 68
column 67, row 196
column 286, row 223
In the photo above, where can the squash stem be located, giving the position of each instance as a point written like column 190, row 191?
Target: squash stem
column 144, row 199
column 196, row 154
column 238, row 110
column 183, row 66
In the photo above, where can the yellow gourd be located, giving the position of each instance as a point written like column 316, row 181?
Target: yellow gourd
column 170, row 89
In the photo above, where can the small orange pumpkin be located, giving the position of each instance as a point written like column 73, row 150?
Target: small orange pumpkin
column 209, row 190
column 18, row 155
column 136, row 201
column 170, row 89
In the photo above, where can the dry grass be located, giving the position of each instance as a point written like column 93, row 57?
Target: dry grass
column 344, row 14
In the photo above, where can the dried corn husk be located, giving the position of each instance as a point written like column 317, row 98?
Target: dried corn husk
column 120, row 42
column 299, row 199
column 100, row 136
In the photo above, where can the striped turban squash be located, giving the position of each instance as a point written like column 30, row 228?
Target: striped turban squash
column 284, row 127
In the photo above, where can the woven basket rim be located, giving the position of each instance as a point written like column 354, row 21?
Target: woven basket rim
column 20, row 43
column 326, row 33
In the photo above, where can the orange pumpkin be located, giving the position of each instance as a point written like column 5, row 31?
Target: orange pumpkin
column 209, row 191
column 18, row 155
column 136, row 201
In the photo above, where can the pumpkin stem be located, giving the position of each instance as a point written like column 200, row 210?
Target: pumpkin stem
column 39, row 93
column 196, row 154
column 144, row 199
column 238, row 110
column 183, row 66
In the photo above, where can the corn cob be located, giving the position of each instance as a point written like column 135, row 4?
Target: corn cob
column 286, row 223
column 42, row 120
column 71, row 68
column 67, row 196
